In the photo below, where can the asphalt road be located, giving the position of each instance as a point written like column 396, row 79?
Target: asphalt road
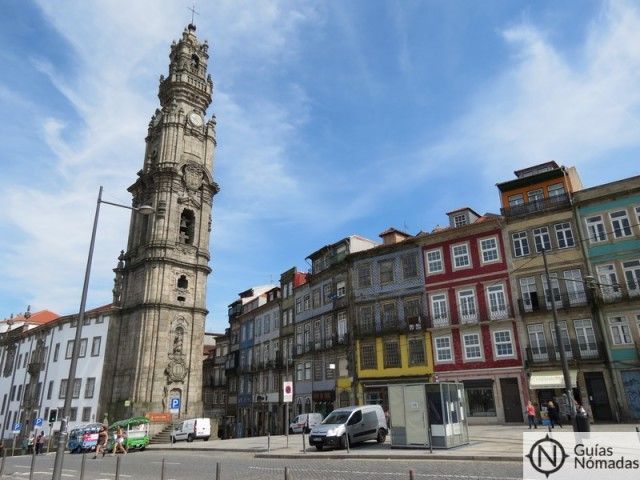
column 240, row 466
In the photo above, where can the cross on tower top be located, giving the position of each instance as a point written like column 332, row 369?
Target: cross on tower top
column 193, row 12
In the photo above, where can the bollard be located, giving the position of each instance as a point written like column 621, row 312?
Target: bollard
column 304, row 446
column 218, row 471
column 118, row 467
column 346, row 440
column 4, row 455
column 269, row 442
column 286, row 473
column 549, row 427
column 162, row 470
column 82, row 465
column 412, row 474
column 430, row 439
column 33, row 464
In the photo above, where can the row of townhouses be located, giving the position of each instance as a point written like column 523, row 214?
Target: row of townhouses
column 468, row 302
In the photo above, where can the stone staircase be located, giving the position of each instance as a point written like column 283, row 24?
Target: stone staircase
column 163, row 436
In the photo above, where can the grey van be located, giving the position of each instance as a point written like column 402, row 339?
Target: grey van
column 359, row 424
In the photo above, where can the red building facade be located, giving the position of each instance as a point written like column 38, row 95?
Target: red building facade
column 471, row 318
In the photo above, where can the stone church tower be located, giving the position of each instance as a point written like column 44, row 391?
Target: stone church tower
column 155, row 345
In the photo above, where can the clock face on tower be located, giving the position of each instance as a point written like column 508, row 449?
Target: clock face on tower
column 195, row 119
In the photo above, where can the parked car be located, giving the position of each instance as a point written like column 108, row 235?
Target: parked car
column 355, row 424
column 305, row 422
column 84, row 438
column 192, row 429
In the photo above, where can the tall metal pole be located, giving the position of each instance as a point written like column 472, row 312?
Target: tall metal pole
column 563, row 356
column 62, row 438
column 286, row 404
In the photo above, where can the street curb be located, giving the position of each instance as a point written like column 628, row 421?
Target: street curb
column 477, row 458
column 204, row 449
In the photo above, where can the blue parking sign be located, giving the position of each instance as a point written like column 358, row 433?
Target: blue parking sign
column 175, row 404
column 17, row 427
column 37, row 422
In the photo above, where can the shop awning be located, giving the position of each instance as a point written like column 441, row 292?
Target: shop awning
column 551, row 379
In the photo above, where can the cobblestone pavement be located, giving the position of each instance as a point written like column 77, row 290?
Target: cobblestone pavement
column 201, row 465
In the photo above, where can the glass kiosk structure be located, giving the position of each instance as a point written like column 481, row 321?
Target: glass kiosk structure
column 428, row 415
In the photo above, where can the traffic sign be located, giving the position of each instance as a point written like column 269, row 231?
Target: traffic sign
column 174, row 405
column 37, row 422
column 287, row 392
column 17, row 427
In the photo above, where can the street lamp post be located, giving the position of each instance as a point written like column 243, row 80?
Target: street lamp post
column 563, row 355
column 62, row 438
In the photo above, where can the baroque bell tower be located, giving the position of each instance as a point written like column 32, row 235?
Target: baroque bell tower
column 155, row 346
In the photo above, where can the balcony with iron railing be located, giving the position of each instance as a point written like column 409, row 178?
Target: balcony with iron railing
column 468, row 316
column 574, row 351
column 542, row 205
column 621, row 292
column 410, row 324
column 534, row 304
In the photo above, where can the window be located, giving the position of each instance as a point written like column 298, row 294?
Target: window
column 86, row 414
column 386, row 271
column 364, row 276
column 187, row 222
column 409, row 265
column 575, row 286
column 50, row 390
column 535, row 195
column 412, row 310
column 480, row 400
column 608, row 281
column 89, row 387
column 472, row 350
column 564, row 235
column 77, row 386
column 341, row 289
column 63, row 388
column 541, row 239
column 520, row 244
column 537, row 342
column 443, row 349
column 299, row 372
column 416, row 351
column 515, row 200
column 502, row 340
column 620, row 224
column 342, row 326
column 595, row 229
column 267, row 319
column 586, row 338
column 461, row 256
column 317, row 370
column 391, row 354
column 489, row 249
column 19, row 392
column 368, row 356
column 389, row 314
column 298, row 305
column 467, row 305
column 497, row 302
column 459, row 220
column 638, row 214
column 552, row 295
column 365, row 319
column 564, row 335
column 316, row 297
column 620, row 334
column 556, row 190
column 307, row 302
column 307, row 371
column 101, row 319
column 69, row 352
column 326, row 293
column 632, row 276
column 95, row 346
column 56, row 352
column 439, row 309
column 434, row 261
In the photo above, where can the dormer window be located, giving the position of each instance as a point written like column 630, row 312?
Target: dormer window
column 459, row 220
column 187, row 221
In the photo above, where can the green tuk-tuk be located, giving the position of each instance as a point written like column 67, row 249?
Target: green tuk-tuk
column 136, row 433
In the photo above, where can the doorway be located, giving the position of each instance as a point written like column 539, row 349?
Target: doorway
column 511, row 402
column 598, row 398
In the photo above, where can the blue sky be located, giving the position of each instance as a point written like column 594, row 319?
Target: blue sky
column 334, row 118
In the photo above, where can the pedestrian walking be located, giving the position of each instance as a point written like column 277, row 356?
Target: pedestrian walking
column 531, row 415
column 101, row 446
column 30, row 444
column 40, row 442
column 554, row 414
column 118, row 446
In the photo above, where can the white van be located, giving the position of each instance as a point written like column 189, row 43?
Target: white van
column 192, row 429
column 305, row 422
column 359, row 424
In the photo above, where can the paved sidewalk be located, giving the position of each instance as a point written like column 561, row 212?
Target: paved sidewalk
column 486, row 442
